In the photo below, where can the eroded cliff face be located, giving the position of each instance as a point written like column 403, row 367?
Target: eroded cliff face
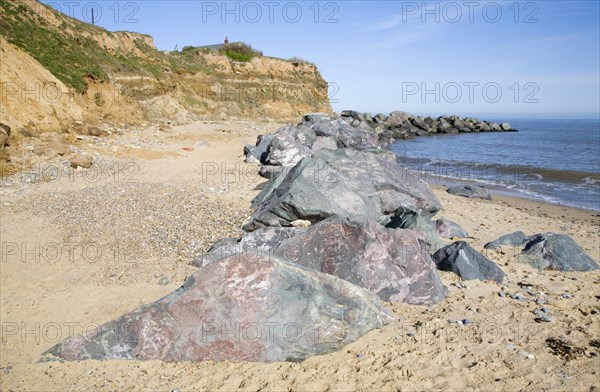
column 263, row 88
column 121, row 78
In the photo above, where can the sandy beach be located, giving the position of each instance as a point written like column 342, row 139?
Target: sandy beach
column 80, row 248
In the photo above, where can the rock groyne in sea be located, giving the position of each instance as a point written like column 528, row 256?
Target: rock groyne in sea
column 402, row 125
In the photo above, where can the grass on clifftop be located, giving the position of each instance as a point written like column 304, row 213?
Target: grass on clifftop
column 61, row 56
column 240, row 51
column 68, row 51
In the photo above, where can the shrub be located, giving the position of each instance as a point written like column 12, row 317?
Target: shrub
column 299, row 60
column 239, row 51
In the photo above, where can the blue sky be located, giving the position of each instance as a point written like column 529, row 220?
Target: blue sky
column 506, row 58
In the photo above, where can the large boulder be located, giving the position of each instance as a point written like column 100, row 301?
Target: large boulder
column 495, row 127
column 516, row 238
column 557, row 252
column 313, row 191
column 324, row 143
column 397, row 118
column 345, row 135
column 483, row 127
column 393, row 263
column 448, row 229
column 443, row 126
column 262, row 241
column 285, row 147
column 260, row 151
column 353, row 114
column 289, row 144
column 410, row 130
column 460, row 258
column 470, row 191
column 285, row 151
column 361, row 186
column 53, row 143
column 421, row 124
column 239, row 309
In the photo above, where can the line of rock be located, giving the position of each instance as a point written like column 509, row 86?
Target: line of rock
column 339, row 228
column 402, row 125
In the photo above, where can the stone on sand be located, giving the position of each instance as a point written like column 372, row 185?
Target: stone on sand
column 239, row 309
column 470, row 191
column 460, row 258
column 557, row 252
column 513, row 239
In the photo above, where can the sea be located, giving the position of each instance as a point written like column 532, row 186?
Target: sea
column 556, row 161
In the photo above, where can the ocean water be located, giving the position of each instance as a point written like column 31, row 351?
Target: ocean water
column 557, row 161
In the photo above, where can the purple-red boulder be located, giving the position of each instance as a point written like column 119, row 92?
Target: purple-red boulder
column 393, row 263
column 240, row 308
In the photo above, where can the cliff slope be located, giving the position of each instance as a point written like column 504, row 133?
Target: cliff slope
column 58, row 72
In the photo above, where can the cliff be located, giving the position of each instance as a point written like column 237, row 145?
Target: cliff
column 58, row 72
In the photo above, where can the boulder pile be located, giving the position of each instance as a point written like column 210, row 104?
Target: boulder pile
column 339, row 228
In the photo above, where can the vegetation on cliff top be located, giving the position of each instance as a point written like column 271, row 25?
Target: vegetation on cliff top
column 63, row 57
column 240, row 51
column 73, row 56
column 75, row 52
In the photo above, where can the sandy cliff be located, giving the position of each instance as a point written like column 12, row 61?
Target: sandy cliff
column 60, row 74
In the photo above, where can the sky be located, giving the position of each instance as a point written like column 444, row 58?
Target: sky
column 507, row 58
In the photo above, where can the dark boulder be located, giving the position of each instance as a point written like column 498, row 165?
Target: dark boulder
column 410, row 129
column 315, row 117
column 458, row 123
column 260, row 151
column 360, row 186
column 289, row 144
column 345, row 135
column 269, row 172
column 353, row 114
column 470, row 191
column 387, row 136
column 238, row 309
column 460, row 258
column 557, row 252
column 380, row 118
column 513, row 239
column 443, row 126
column 312, row 190
column 404, row 219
